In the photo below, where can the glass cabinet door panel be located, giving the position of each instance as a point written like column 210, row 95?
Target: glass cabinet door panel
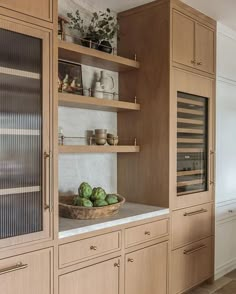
column 21, row 134
column 192, row 144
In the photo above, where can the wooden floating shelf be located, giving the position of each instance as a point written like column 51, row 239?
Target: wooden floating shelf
column 189, row 183
column 71, row 149
column 190, row 172
column 78, row 101
column 80, row 54
column 190, row 192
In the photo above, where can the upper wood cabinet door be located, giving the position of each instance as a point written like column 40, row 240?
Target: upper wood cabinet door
column 26, row 274
column 205, row 44
column 40, row 9
column 146, row 270
column 183, row 39
column 25, row 194
column 102, row 278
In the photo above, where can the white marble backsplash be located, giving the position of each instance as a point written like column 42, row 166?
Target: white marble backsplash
column 97, row 169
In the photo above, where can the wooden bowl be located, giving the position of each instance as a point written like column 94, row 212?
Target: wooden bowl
column 68, row 210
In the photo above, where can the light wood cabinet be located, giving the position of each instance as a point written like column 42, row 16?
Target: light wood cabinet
column 191, row 224
column 88, row 248
column 183, row 39
column 193, row 43
column 146, row 232
column 25, row 202
column 101, row 278
column 27, row 274
column 191, row 265
column 175, row 167
column 39, row 9
column 146, row 270
column 205, row 44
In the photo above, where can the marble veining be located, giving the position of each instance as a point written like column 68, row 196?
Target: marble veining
column 130, row 212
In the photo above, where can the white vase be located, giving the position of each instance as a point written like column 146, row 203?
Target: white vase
column 107, row 84
column 98, row 91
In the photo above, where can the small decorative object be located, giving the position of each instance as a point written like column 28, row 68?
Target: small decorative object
column 99, row 34
column 62, row 21
column 98, row 91
column 70, row 77
column 90, row 203
column 100, row 136
column 107, row 84
column 112, row 140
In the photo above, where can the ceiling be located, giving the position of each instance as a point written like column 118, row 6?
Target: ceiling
column 221, row 10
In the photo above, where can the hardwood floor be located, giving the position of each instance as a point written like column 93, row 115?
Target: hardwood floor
column 225, row 285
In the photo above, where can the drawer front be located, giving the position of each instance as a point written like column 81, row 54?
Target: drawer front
column 26, row 274
column 101, row 278
column 146, row 232
column 191, row 265
column 88, row 248
column 226, row 211
column 191, row 224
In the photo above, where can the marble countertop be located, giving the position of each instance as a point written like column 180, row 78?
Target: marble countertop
column 130, row 212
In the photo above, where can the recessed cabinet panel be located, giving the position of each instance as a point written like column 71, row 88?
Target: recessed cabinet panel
column 102, row 278
column 27, row 274
column 183, row 39
column 191, row 265
column 205, row 54
column 40, row 9
column 146, row 270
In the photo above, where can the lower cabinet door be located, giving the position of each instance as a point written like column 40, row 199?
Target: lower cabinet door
column 29, row 273
column 146, row 270
column 191, row 265
column 101, row 278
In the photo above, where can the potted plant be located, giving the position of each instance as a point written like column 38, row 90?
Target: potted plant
column 99, row 33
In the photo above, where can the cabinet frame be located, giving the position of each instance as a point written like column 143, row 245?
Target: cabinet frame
column 46, row 37
column 198, row 19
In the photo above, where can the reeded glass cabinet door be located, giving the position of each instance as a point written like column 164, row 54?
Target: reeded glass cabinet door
column 24, row 135
column 192, row 144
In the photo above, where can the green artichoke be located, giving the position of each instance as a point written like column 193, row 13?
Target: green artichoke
column 98, row 194
column 100, row 203
column 111, row 199
column 85, row 190
column 79, row 201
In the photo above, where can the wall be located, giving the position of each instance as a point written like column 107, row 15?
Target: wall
column 225, row 152
column 97, row 169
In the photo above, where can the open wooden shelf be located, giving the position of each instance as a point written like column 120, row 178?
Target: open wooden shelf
column 78, row 101
column 77, row 53
column 98, row 149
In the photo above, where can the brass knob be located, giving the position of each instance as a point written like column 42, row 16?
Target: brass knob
column 130, row 260
column 199, row 63
column 93, row 248
column 117, row 264
column 148, row 233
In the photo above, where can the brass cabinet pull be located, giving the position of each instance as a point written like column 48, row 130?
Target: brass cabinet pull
column 17, row 267
column 47, row 205
column 199, row 63
column 195, row 212
column 188, row 252
column 147, row 233
column 130, row 260
column 212, row 173
column 117, row 264
column 93, row 248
